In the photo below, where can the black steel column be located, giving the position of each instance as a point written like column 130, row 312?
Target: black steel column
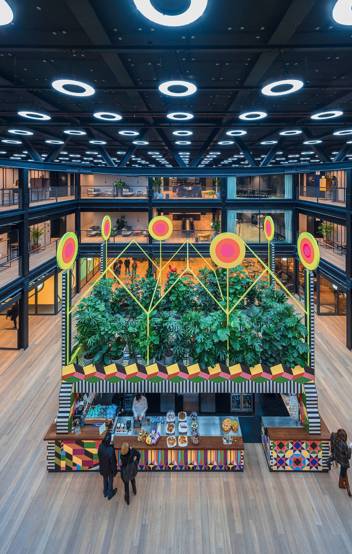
column 349, row 258
column 23, row 239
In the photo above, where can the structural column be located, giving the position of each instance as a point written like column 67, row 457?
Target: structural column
column 23, row 236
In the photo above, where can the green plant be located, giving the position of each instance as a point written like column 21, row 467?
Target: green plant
column 36, row 234
column 119, row 185
column 326, row 229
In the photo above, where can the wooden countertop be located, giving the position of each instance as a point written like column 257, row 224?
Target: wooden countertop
column 297, row 433
column 92, row 433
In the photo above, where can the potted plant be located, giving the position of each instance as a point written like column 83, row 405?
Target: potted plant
column 326, row 229
column 118, row 186
column 36, row 234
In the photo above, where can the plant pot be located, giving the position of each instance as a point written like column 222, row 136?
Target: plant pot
column 87, row 359
column 168, row 360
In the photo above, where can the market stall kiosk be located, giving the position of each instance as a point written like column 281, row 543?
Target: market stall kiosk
column 183, row 441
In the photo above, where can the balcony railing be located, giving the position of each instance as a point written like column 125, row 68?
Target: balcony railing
column 9, row 269
column 93, row 234
column 40, row 253
column 52, row 194
column 110, row 191
column 187, row 193
column 314, row 194
column 9, row 198
column 196, row 236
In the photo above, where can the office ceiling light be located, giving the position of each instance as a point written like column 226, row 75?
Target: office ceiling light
column 183, row 133
column 83, row 88
column 11, row 141
column 20, row 132
column 6, row 13
column 180, row 116
column 128, row 133
column 183, row 142
column 343, row 133
column 342, row 12
column 331, row 114
column 311, row 142
column 286, row 86
column 141, row 142
column 74, row 132
column 291, row 133
column 225, row 142
column 192, row 13
column 100, row 142
column 37, row 116
column 236, row 133
column 253, row 116
column 107, row 116
column 187, row 88
column 52, row 141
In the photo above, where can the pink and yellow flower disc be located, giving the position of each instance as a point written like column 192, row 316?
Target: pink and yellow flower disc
column 269, row 228
column 160, row 228
column 67, row 251
column 106, row 227
column 227, row 250
column 308, row 251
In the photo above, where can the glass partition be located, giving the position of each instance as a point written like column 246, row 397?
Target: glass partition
column 260, row 186
column 113, row 186
column 54, row 186
column 9, row 191
column 183, row 188
column 126, row 226
column 249, row 225
column 327, row 187
column 197, row 226
column 9, row 256
column 331, row 237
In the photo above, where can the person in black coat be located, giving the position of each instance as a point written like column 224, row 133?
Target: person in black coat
column 129, row 468
column 108, row 465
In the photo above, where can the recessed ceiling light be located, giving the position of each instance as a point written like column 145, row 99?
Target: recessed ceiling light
column 182, row 133
column 128, row 133
column 312, row 142
column 20, row 132
column 253, row 116
column 75, row 132
column 101, row 142
column 331, row 114
column 286, row 86
column 225, row 142
column 140, row 142
column 187, row 88
column 180, row 116
column 107, row 116
column 11, row 141
column 236, row 133
column 54, row 141
column 343, row 133
column 290, row 133
column 342, row 12
column 268, row 142
column 83, row 88
column 38, row 116
column 183, row 142
column 192, row 13
column 6, row 13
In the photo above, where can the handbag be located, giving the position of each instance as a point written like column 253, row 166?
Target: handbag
column 129, row 472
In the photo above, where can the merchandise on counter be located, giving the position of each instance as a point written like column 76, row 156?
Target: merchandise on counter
column 170, row 416
column 194, row 425
column 142, row 436
column 171, row 442
column 195, row 439
column 120, row 428
column 226, row 425
column 183, row 427
column 152, row 438
column 101, row 412
column 170, row 428
column 182, row 416
column 194, row 416
column 183, row 441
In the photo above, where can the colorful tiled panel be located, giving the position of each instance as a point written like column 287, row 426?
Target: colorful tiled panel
column 83, row 456
column 297, row 455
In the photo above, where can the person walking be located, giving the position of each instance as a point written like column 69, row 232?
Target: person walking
column 341, row 454
column 12, row 314
column 129, row 468
column 127, row 263
column 134, row 268
column 108, row 465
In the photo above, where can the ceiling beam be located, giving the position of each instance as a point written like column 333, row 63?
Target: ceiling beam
column 340, row 157
column 247, row 154
column 270, row 155
column 56, row 153
column 317, row 149
column 32, row 151
column 171, row 148
column 205, row 147
column 106, row 156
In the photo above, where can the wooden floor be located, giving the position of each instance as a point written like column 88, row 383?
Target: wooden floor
column 254, row 512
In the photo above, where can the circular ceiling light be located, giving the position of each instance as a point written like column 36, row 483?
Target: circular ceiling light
column 54, row 141
column 253, row 116
column 311, row 142
column 129, row 133
column 140, row 142
column 268, row 142
column 38, row 116
column 236, row 133
column 11, row 141
column 327, row 115
column 180, row 116
column 343, row 133
column 193, row 12
column 183, row 142
column 107, row 116
column 101, row 142
column 6, row 13
column 182, row 133
column 189, row 88
column 286, row 86
column 20, row 132
column 225, row 142
column 83, row 88
column 342, row 12
column 75, row 132
column 292, row 133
